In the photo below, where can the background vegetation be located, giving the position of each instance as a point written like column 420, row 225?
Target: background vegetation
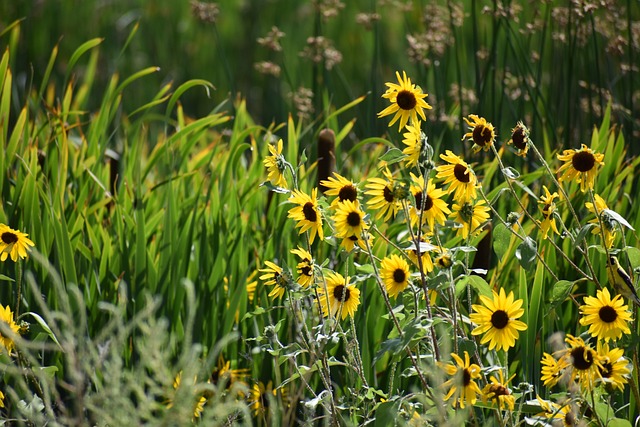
column 133, row 134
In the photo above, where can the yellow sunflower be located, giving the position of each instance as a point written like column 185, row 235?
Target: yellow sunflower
column 552, row 369
column 435, row 209
column 341, row 298
column 275, row 164
column 350, row 242
column 395, row 274
column 459, row 176
column 548, row 208
column 607, row 222
column 553, row 411
column 580, row 165
column 481, row 132
column 520, row 139
column 261, row 398
column 413, row 140
column 443, row 259
column 498, row 320
column 223, row 372
column 407, row 101
column 471, row 215
column 462, row 386
column 386, row 195
column 274, row 276
column 498, row 393
column 606, row 318
column 341, row 188
column 582, row 362
column 349, row 220
column 616, row 369
column 307, row 213
column 13, row 243
column 6, row 316
column 426, row 261
column 304, row 267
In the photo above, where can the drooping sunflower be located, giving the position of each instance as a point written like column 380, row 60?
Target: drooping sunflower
column 341, row 188
column 459, row 176
column 13, row 243
column 583, row 362
column 498, row 320
column 425, row 261
column 275, row 164
column 498, row 393
column 274, row 276
column 395, row 274
column 413, row 141
column 304, row 267
column 434, row 208
column 520, row 139
column 615, row 370
column 471, row 215
column 6, row 316
column 608, row 224
column 606, row 318
column 350, row 242
column 307, row 213
column 349, row 220
column 386, row 195
column 548, row 207
column 342, row 298
column 407, row 101
column 462, row 386
column 552, row 369
column 580, row 165
column 481, row 132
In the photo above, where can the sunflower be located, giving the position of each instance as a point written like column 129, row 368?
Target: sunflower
column 341, row 297
column 497, row 391
column 307, row 213
column 435, row 209
column 386, row 195
column 461, row 179
column 607, row 318
column 497, row 319
column 615, row 370
column 552, row 369
column 443, row 260
column 340, row 187
column 199, row 404
column 224, row 373
column 349, row 220
column 520, row 139
column 462, row 386
column 349, row 242
column 395, row 274
column 413, row 140
column 580, row 165
column 582, row 362
column 426, row 261
column 261, row 397
column 407, row 101
column 548, row 208
column 6, row 316
column 274, row 276
column 481, row 132
column 304, row 267
column 13, row 243
column 471, row 215
column 607, row 222
column 276, row 165
column 553, row 411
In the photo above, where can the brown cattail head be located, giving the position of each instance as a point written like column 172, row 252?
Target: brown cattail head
column 326, row 156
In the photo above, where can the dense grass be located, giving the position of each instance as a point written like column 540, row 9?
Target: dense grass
column 143, row 190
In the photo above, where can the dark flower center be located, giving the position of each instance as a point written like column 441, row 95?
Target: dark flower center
column 9, row 238
column 353, row 219
column 406, row 100
column 461, row 173
column 499, row 390
column 399, row 275
column 348, row 192
column 466, row 212
column 608, row 314
column 466, row 377
column 519, row 139
column 428, row 203
column 353, row 238
column 481, row 135
column 341, row 293
column 499, row 319
column 309, row 212
column 547, row 210
column 582, row 358
column 306, row 270
column 388, row 194
column 607, row 370
column 583, row 161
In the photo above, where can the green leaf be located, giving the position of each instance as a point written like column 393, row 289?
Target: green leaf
column 386, row 414
column 6, row 278
column 615, row 215
column 392, row 156
column 501, row 240
column 526, row 252
column 477, row 283
column 560, row 292
column 44, row 325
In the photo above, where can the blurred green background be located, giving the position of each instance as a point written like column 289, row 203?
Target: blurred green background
column 553, row 64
